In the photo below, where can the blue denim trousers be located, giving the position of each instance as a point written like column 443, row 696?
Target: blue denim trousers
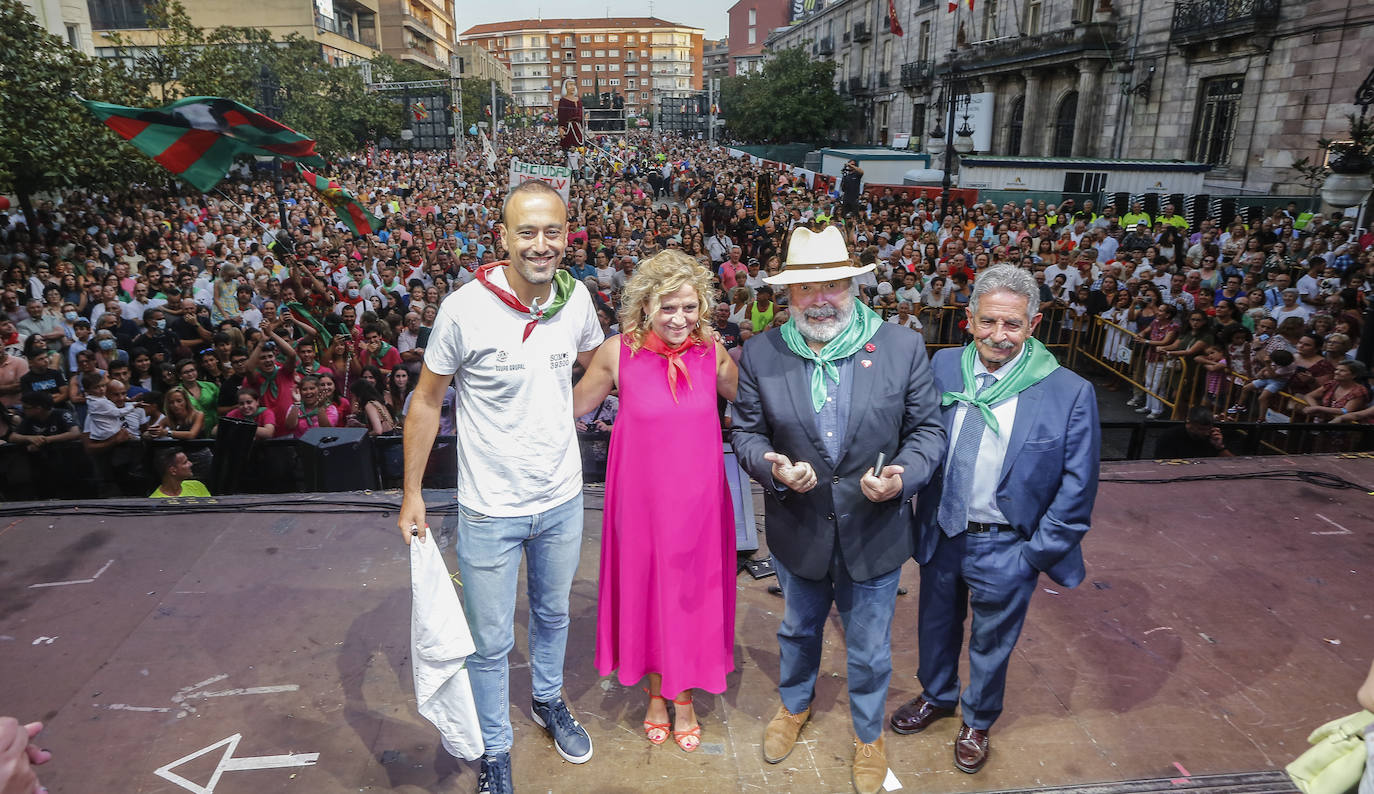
column 866, row 610
column 489, row 552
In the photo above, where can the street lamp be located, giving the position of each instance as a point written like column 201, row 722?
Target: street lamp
column 269, row 94
column 945, row 140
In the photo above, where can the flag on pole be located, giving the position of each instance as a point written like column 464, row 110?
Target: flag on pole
column 893, row 23
column 197, row 138
column 419, row 110
column 954, row 5
column 349, row 209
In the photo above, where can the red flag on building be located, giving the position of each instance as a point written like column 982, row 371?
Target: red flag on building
column 893, row 23
column 419, row 110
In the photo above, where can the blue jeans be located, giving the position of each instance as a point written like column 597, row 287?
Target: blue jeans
column 489, row 551
column 985, row 571
column 866, row 612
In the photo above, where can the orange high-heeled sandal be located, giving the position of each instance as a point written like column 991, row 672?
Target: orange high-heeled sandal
column 656, row 732
column 689, row 739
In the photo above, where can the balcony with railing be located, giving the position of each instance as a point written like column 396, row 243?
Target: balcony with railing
column 882, row 80
column 856, row 84
column 1208, row 20
column 1064, row 44
column 861, row 31
column 825, row 46
column 916, row 74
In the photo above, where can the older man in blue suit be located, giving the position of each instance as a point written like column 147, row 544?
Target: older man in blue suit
column 1013, row 500
column 821, row 400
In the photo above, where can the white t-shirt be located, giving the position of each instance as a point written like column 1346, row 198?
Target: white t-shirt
column 517, row 446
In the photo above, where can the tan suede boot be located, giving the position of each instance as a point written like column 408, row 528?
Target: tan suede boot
column 781, row 734
column 870, row 766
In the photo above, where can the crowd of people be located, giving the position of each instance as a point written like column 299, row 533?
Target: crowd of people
column 153, row 315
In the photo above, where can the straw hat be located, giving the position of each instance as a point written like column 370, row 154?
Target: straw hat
column 816, row 256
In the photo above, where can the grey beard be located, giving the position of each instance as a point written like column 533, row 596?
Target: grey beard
column 815, row 333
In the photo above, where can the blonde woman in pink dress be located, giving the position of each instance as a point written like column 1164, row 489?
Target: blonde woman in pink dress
column 666, row 606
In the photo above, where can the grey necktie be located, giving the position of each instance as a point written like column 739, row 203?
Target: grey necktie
column 953, row 515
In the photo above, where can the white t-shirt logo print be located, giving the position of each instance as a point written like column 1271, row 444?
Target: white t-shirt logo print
column 501, row 356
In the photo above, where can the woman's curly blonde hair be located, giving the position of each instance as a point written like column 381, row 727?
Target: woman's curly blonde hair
column 663, row 274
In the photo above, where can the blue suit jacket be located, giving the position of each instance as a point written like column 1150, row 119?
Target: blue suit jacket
column 1049, row 476
column 892, row 409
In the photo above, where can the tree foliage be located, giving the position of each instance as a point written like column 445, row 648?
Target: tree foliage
column 48, row 141
column 792, row 99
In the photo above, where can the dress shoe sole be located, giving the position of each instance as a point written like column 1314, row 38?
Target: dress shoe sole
column 972, row 770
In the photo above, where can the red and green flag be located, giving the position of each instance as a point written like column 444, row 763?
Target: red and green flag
column 419, row 110
column 350, row 211
column 197, row 138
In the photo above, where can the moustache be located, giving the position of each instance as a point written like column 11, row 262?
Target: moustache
column 1006, row 345
column 821, row 313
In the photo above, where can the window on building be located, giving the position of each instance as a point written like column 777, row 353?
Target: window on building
column 586, row 53
column 557, row 69
column 586, row 81
column 614, row 81
column 586, row 38
column 1082, row 11
column 615, row 67
column 753, row 35
column 1034, row 11
column 918, row 123
column 554, row 41
column 1015, row 126
column 613, row 37
column 74, row 36
column 613, row 53
column 990, row 8
column 923, row 42
column 644, row 53
column 643, row 94
column 630, row 39
column 630, row 82
column 601, row 67
column 1214, row 126
column 753, row 16
column 118, row 14
column 1063, row 125
column 536, row 41
column 601, row 53
column 586, row 67
column 600, row 37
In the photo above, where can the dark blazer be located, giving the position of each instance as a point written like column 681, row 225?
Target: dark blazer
column 1049, row 477
column 892, row 409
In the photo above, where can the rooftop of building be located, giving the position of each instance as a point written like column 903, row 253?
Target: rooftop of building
column 591, row 23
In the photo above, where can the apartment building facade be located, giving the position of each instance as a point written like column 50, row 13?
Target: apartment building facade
column 640, row 58
column 1247, row 86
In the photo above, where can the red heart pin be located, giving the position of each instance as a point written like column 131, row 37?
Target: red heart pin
column 870, row 347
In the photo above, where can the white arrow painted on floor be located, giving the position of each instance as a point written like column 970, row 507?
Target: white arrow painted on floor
column 103, row 569
column 227, row 763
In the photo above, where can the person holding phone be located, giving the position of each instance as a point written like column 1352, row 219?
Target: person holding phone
column 819, row 399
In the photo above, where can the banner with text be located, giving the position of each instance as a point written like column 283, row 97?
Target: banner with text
column 557, row 176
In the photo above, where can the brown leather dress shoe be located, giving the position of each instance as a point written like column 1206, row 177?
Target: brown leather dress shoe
column 916, row 715
column 971, row 749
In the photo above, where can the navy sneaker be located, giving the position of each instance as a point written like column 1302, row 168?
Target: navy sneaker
column 569, row 737
column 495, row 776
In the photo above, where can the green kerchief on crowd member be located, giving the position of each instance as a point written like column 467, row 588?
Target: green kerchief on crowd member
column 1036, row 363
column 863, row 324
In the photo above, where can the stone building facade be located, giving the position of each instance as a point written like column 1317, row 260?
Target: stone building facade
column 1248, row 86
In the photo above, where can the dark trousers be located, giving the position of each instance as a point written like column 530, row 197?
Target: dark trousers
column 985, row 571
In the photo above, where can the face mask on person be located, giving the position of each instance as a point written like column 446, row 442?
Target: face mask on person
column 353, row 293
column 161, row 325
column 71, row 317
column 107, row 344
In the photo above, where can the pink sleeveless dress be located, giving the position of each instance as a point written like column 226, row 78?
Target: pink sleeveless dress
column 666, row 600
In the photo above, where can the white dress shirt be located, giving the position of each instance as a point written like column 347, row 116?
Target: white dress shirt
column 992, row 451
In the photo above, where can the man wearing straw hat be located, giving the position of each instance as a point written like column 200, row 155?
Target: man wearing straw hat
column 837, row 417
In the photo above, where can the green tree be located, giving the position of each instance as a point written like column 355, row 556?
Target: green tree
column 792, row 99
column 48, row 141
